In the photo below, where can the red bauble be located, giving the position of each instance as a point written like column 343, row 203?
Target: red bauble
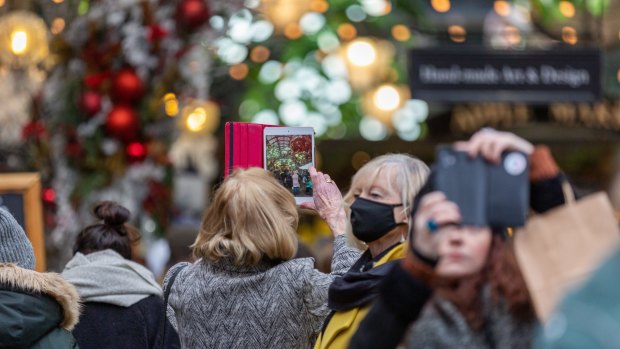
column 136, row 151
column 90, row 103
column 122, row 123
column 127, row 86
column 192, row 13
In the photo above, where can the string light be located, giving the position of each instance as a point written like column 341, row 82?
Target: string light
column 569, row 35
column 239, row 71
column 347, row 31
column 197, row 120
column 19, row 42
column 457, row 33
column 502, row 7
column 58, row 25
column 401, row 32
column 320, row 6
column 292, row 31
column 201, row 116
column 361, row 53
column 441, row 5
column 567, row 9
column 512, row 35
column 171, row 105
column 259, row 54
column 387, row 98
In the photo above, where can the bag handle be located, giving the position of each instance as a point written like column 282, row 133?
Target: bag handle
column 166, row 296
column 569, row 195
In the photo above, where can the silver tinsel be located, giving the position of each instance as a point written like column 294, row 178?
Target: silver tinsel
column 17, row 88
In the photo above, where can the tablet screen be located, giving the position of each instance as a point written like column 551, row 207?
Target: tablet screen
column 289, row 158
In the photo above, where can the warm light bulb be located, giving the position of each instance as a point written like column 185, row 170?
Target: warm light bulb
column 171, row 104
column 387, row 98
column 502, row 7
column 441, row 5
column 567, row 9
column 401, row 32
column 457, row 33
column 569, row 35
column 196, row 120
column 58, row 25
column 19, row 42
column 361, row 53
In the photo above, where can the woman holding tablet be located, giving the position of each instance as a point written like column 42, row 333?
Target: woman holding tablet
column 380, row 201
column 246, row 291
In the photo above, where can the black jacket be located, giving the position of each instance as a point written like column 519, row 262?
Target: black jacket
column 107, row 326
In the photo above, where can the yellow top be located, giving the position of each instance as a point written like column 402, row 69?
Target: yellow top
column 344, row 324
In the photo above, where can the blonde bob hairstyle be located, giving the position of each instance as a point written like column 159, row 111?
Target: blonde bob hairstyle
column 252, row 218
column 408, row 176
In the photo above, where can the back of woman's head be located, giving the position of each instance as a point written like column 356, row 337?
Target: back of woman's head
column 251, row 218
column 111, row 232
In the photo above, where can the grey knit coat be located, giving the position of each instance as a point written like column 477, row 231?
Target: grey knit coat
column 266, row 306
column 442, row 326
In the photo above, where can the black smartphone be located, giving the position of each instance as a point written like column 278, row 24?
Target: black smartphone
column 487, row 194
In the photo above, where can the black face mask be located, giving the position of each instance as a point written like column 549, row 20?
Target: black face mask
column 371, row 220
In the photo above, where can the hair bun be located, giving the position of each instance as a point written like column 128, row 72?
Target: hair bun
column 112, row 213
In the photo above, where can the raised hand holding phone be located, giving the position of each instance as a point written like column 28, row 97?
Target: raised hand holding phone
column 434, row 212
column 490, row 144
column 327, row 201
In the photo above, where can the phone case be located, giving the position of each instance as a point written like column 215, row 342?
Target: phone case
column 461, row 179
column 243, row 145
column 508, row 191
column 487, row 194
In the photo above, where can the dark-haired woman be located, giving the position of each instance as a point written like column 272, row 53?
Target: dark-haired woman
column 122, row 301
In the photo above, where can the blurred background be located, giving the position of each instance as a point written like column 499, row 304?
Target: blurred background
column 126, row 100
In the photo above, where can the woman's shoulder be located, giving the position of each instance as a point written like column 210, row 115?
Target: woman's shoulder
column 174, row 271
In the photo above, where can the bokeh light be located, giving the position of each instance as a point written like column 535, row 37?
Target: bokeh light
column 347, row 31
column 372, row 129
column 501, row 7
column 457, row 33
column 441, row 5
column 569, row 35
column 361, row 53
column 567, row 9
column 387, row 98
column 401, row 32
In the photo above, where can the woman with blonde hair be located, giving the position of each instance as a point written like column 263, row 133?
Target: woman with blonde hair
column 380, row 201
column 245, row 290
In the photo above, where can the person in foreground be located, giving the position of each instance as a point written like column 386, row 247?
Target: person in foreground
column 459, row 285
column 123, row 305
column 380, row 200
column 245, row 290
column 37, row 310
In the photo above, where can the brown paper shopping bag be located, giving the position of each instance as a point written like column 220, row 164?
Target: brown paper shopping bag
column 559, row 249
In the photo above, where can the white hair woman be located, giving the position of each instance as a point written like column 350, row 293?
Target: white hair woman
column 245, row 290
column 380, row 201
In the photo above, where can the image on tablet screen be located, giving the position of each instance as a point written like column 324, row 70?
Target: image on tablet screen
column 289, row 158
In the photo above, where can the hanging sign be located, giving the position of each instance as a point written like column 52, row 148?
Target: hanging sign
column 529, row 76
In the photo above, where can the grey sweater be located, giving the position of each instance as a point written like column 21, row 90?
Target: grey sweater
column 442, row 326
column 265, row 306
